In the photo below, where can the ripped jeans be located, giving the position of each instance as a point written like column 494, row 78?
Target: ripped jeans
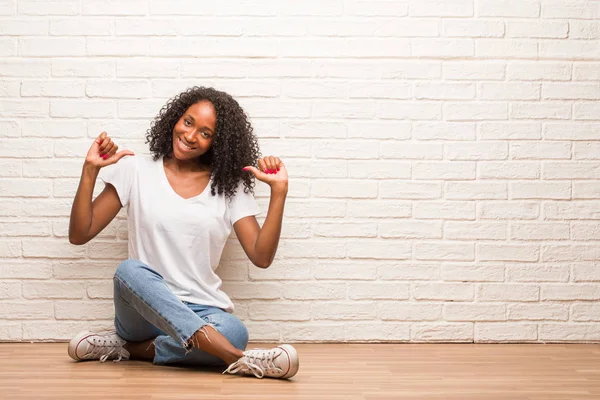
column 145, row 308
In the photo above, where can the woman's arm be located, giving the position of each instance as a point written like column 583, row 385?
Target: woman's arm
column 90, row 218
column 260, row 244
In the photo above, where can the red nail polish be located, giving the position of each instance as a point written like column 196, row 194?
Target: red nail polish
column 105, row 156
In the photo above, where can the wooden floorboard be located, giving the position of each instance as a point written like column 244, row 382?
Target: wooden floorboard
column 327, row 371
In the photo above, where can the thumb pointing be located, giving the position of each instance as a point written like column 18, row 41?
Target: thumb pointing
column 124, row 153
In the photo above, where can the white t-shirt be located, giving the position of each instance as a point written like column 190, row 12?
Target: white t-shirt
column 181, row 239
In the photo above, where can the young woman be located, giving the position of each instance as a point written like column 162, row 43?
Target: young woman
column 182, row 203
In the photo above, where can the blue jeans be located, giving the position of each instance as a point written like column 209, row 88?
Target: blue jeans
column 145, row 308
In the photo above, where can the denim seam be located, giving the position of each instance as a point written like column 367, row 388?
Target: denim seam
column 184, row 342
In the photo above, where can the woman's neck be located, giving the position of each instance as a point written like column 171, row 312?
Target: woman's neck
column 184, row 166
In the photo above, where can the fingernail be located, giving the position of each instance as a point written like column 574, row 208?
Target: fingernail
column 245, row 168
column 105, row 156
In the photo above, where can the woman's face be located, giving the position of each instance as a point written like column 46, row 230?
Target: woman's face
column 194, row 133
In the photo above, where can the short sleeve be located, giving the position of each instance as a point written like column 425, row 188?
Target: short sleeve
column 242, row 205
column 121, row 176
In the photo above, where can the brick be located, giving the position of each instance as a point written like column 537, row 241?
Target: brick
column 508, row 252
column 474, row 312
column 476, row 190
column 24, row 310
column 350, row 229
column 354, row 311
column 569, row 291
column 476, row 151
column 540, row 110
column 586, row 151
column 378, row 209
column 571, row 332
column 114, row 7
column 538, row 71
column 474, row 70
column 540, row 150
column 541, row 29
column 287, row 311
column 95, row 68
column 53, row 290
column 537, row 273
column 509, row 8
column 442, row 291
column 118, row 89
column 444, row 251
column 444, row 91
column 539, row 231
column 509, row 170
column 18, row 187
column 571, row 131
column 377, row 290
column 447, row 210
column 47, row 248
column 472, row 28
column 507, row 292
column 538, row 312
column 505, row 48
column 586, row 111
column 540, row 190
column 570, row 9
column 442, row 332
column 479, row 272
column 571, row 170
column 408, row 271
column 444, row 170
column 357, row 149
column 39, row 7
column 474, row 230
column 475, row 111
column 84, row 310
column 505, row 332
column 585, row 312
column 52, row 47
column 345, row 270
column 509, row 91
column 400, row 311
column 409, row 190
column 81, row 27
column 411, row 229
column 510, row 130
column 411, row 150
column 379, row 249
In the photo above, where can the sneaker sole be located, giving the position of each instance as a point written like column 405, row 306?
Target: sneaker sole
column 293, row 357
column 77, row 339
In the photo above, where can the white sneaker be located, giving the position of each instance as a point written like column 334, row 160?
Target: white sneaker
column 279, row 362
column 98, row 346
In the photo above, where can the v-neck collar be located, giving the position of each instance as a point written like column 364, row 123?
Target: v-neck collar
column 165, row 180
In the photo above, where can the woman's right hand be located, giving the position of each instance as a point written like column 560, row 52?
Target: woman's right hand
column 104, row 152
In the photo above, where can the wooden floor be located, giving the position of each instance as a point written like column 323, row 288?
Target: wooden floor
column 327, row 371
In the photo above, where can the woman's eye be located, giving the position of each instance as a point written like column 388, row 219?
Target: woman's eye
column 206, row 135
column 187, row 122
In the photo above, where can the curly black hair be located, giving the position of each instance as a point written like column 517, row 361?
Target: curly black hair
column 234, row 147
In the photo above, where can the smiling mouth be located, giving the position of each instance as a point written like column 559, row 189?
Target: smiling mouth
column 185, row 146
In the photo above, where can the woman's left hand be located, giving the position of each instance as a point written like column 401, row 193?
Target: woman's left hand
column 271, row 171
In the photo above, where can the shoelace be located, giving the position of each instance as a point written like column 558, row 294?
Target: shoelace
column 105, row 351
column 257, row 364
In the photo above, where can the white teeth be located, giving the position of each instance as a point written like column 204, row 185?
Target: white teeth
column 185, row 145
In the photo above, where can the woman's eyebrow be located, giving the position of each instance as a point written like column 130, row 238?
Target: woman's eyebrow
column 192, row 118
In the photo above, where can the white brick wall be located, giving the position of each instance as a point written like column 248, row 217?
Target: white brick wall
column 444, row 160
